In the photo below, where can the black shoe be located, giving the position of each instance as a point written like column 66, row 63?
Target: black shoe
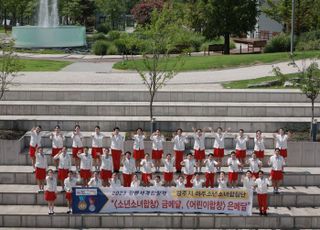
column 178, row 171
column 266, row 214
column 260, row 213
column 68, row 212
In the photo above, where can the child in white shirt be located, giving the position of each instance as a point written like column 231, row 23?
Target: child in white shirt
column 261, row 184
column 233, row 165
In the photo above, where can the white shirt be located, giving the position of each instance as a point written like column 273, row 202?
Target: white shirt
column 57, row 140
column 128, row 166
column 138, row 142
column 69, row 183
column 254, row 165
column 86, row 161
column 218, row 140
column 155, row 183
column 277, row 163
column 97, row 140
column 282, row 141
column 197, row 183
column 222, row 183
column 241, row 143
column 135, row 184
column 51, row 184
column 179, row 143
column 248, row 183
column 64, row 161
column 157, row 142
column 146, row 166
column 233, row 165
column 106, row 163
column 117, row 142
column 41, row 161
column 114, row 183
column 35, row 139
column 180, row 184
column 168, row 165
column 259, row 144
column 199, row 142
column 95, row 182
column 262, row 185
column 210, row 165
column 77, row 140
column 189, row 165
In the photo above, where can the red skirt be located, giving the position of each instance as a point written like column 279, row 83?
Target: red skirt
column 218, row 153
column 157, row 154
column 241, row 154
column 168, row 176
column 55, row 151
column 199, row 154
column 259, row 154
column 105, row 174
column 284, row 153
column 69, row 196
column 188, row 180
column 255, row 174
column 50, row 196
column 95, row 151
column 179, row 158
column 85, row 173
column 138, row 154
column 32, row 151
column 40, row 173
column 276, row 175
column 145, row 176
column 233, row 176
column 263, row 202
column 62, row 174
column 75, row 151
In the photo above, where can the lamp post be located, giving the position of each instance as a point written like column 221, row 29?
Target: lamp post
column 292, row 28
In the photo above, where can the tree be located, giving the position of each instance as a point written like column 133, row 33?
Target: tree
column 142, row 11
column 114, row 9
column 229, row 17
column 9, row 66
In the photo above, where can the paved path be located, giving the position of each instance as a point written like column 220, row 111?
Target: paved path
column 100, row 67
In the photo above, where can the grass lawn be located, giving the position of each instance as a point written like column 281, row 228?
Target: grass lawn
column 221, row 61
column 42, row 65
column 243, row 84
column 40, row 51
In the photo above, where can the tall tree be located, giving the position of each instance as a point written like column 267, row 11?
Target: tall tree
column 142, row 11
column 229, row 17
column 114, row 9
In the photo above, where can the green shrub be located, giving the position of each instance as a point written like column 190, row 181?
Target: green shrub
column 99, row 36
column 308, row 45
column 310, row 36
column 113, row 35
column 100, row 47
column 279, row 43
column 103, row 28
column 112, row 50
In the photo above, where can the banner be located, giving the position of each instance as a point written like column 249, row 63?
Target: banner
column 162, row 199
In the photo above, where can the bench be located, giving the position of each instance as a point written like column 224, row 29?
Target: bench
column 216, row 48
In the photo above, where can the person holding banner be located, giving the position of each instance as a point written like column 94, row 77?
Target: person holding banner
column 180, row 182
column 222, row 181
column 85, row 166
column 128, row 169
column 179, row 142
column 97, row 142
column 50, row 191
column 156, row 182
column 41, row 167
column 115, row 181
column 157, row 148
column 234, row 165
column 261, row 184
column 168, row 170
column 95, row 181
column 254, row 165
column 211, row 166
column 277, row 164
column 146, row 169
column 77, row 145
column 135, row 183
column 196, row 181
column 35, row 142
column 189, row 164
column 117, row 141
column 199, row 148
column 241, row 147
column 218, row 146
column 138, row 147
column 69, row 183
column 57, row 139
column 64, row 165
column 259, row 145
column 106, row 167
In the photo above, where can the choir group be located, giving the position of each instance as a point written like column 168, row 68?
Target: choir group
column 143, row 169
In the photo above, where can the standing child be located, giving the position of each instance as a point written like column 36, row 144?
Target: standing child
column 85, row 166
column 35, row 142
column 128, row 169
column 138, row 147
column 196, row 181
column 106, row 168
column 69, row 183
column 95, row 181
column 222, row 181
column 261, row 184
column 97, row 142
column 64, row 165
column 241, row 147
column 146, row 169
column 277, row 164
column 157, row 148
column 248, row 180
column 57, row 139
column 233, row 164
column 180, row 182
column 259, row 145
column 41, row 167
column 117, row 141
column 189, row 164
column 281, row 139
column 168, row 170
column 50, row 194
column 77, row 145
column 199, row 148
column 156, row 182
column 218, row 146
column 115, row 181
column 179, row 142
column 135, row 183
column 211, row 166
column 254, row 165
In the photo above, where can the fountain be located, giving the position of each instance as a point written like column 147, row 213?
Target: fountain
column 48, row 33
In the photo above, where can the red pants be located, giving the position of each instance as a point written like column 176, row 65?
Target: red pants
column 179, row 158
column 263, row 202
column 188, row 179
column 145, row 176
column 210, row 180
column 127, row 178
column 116, row 156
column 168, row 176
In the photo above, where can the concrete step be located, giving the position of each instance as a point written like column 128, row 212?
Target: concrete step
column 279, row 217
column 19, row 194
column 294, row 176
column 133, row 108
column 168, row 123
